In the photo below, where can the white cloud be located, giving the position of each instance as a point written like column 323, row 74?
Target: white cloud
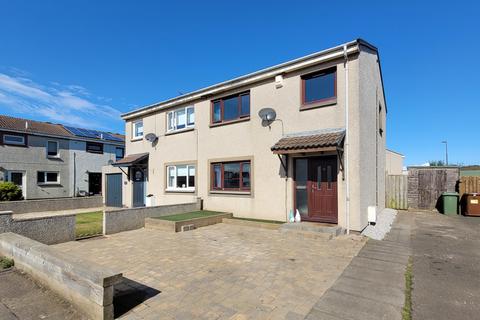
column 66, row 104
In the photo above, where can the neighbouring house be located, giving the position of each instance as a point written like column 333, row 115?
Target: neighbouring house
column 50, row 160
column 308, row 134
column 394, row 162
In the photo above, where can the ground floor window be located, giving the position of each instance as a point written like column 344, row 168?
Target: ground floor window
column 181, row 178
column 48, row 177
column 233, row 176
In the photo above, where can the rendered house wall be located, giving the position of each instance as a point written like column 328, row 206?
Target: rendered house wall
column 271, row 194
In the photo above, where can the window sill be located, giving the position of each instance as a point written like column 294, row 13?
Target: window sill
column 318, row 104
column 219, row 124
column 15, row 145
column 179, row 191
column 57, row 157
column 169, row 133
column 54, row 184
column 136, row 139
column 231, row 192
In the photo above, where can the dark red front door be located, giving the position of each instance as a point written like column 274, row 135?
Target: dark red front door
column 322, row 187
column 317, row 199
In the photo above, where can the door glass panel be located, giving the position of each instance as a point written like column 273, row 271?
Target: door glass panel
column 329, row 177
column 301, row 177
column 302, row 201
column 301, row 173
column 319, row 177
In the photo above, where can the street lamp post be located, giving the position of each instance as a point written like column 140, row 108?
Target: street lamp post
column 446, row 152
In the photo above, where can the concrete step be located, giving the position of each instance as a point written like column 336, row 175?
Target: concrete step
column 313, row 227
column 302, row 234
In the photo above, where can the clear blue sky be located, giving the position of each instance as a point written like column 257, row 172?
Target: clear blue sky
column 85, row 62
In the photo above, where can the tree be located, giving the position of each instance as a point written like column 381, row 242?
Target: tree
column 10, row 191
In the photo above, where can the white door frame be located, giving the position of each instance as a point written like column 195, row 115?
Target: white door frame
column 24, row 180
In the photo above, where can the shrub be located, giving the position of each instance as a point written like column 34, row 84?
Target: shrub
column 5, row 263
column 10, row 191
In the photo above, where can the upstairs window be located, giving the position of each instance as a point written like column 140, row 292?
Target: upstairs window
column 319, row 87
column 119, row 153
column 52, row 149
column 231, row 108
column 180, row 119
column 47, row 177
column 137, row 129
column 14, row 139
column 93, row 147
column 181, row 178
column 231, row 176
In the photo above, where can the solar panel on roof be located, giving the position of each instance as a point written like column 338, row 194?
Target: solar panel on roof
column 94, row 134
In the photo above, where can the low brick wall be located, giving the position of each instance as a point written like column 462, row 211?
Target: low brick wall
column 115, row 221
column 87, row 285
column 58, row 204
column 47, row 230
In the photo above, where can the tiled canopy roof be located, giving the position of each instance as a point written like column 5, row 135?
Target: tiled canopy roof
column 304, row 142
column 30, row 126
column 131, row 159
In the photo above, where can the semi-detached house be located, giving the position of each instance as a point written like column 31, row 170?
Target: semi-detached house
column 49, row 160
column 318, row 144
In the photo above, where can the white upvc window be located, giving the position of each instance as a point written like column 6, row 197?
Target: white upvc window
column 181, row 178
column 180, row 119
column 14, row 139
column 137, row 128
column 52, row 149
column 48, row 177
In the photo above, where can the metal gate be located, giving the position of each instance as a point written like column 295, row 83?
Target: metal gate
column 114, row 190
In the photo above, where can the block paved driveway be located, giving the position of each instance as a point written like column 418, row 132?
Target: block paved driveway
column 218, row 272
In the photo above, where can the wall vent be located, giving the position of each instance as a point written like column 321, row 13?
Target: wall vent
column 188, row 227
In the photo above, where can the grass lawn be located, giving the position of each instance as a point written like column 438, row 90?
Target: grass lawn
column 189, row 215
column 260, row 220
column 89, row 224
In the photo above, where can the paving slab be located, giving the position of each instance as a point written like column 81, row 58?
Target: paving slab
column 446, row 267
column 223, row 271
column 372, row 286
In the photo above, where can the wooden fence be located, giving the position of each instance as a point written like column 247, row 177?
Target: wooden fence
column 469, row 185
column 396, row 192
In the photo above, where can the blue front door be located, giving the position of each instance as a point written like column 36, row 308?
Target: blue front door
column 138, row 177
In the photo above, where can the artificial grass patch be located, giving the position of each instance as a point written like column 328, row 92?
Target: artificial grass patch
column 259, row 220
column 5, row 263
column 89, row 224
column 189, row 215
column 407, row 308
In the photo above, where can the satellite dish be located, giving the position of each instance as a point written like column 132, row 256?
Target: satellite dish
column 151, row 137
column 268, row 115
